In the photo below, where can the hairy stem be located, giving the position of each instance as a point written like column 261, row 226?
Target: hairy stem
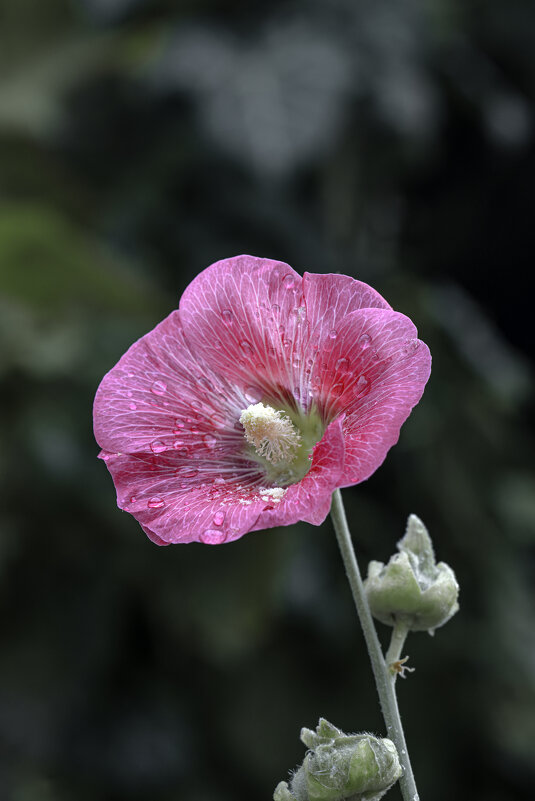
column 384, row 679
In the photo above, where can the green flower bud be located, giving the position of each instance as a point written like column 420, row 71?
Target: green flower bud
column 342, row 767
column 412, row 588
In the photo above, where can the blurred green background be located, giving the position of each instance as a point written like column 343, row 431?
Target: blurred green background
column 141, row 140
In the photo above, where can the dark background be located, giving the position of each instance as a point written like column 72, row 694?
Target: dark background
column 139, row 142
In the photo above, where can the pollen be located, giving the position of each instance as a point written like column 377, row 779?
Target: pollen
column 271, row 432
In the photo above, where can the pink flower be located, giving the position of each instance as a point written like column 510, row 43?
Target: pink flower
column 261, row 395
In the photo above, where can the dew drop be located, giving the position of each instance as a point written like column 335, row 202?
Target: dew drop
column 213, row 537
column 155, row 503
column 275, row 308
column 288, row 281
column 209, row 440
column 130, row 375
column 410, row 347
column 158, row 446
column 128, row 394
column 133, row 499
column 246, row 347
column 337, row 390
column 218, row 518
column 364, row 341
column 132, row 406
column 158, row 387
column 227, row 316
column 218, row 419
column 178, row 444
column 179, row 423
column 342, row 365
column 186, row 472
column 253, row 394
column 362, row 387
column 330, row 340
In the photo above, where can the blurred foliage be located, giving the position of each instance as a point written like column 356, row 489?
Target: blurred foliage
column 140, row 140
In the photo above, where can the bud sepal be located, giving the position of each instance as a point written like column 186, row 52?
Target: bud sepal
column 342, row 767
column 412, row 588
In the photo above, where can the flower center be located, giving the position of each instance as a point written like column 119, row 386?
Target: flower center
column 271, row 432
column 281, row 441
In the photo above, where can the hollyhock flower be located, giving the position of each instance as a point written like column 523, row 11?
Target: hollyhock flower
column 249, row 405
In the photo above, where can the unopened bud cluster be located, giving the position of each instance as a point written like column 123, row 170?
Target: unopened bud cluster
column 342, row 767
column 412, row 588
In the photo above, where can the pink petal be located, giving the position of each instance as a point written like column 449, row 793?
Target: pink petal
column 245, row 317
column 375, row 372
column 158, row 398
column 184, row 504
column 329, row 298
column 187, row 505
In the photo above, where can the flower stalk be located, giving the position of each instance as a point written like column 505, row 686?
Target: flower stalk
column 385, row 678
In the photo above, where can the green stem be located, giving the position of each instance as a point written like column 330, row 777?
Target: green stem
column 384, row 679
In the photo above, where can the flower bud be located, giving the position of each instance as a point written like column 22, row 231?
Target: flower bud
column 342, row 767
column 412, row 588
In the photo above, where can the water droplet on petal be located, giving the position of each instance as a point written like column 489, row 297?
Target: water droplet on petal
column 178, row 444
column 204, row 382
column 410, row 347
column 218, row 518
column 179, row 423
column 209, row 440
column 158, row 387
column 246, row 347
column 155, row 503
column 342, row 365
column 288, row 281
column 364, row 341
column 213, row 537
column 158, row 446
column 362, row 387
column 132, row 407
column 128, row 394
column 253, row 394
column 227, row 316
column 133, row 499
column 275, row 308
column 219, row 480
column 330, row 340
column 186, row 472
column 218, row 419
column 337, row 390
